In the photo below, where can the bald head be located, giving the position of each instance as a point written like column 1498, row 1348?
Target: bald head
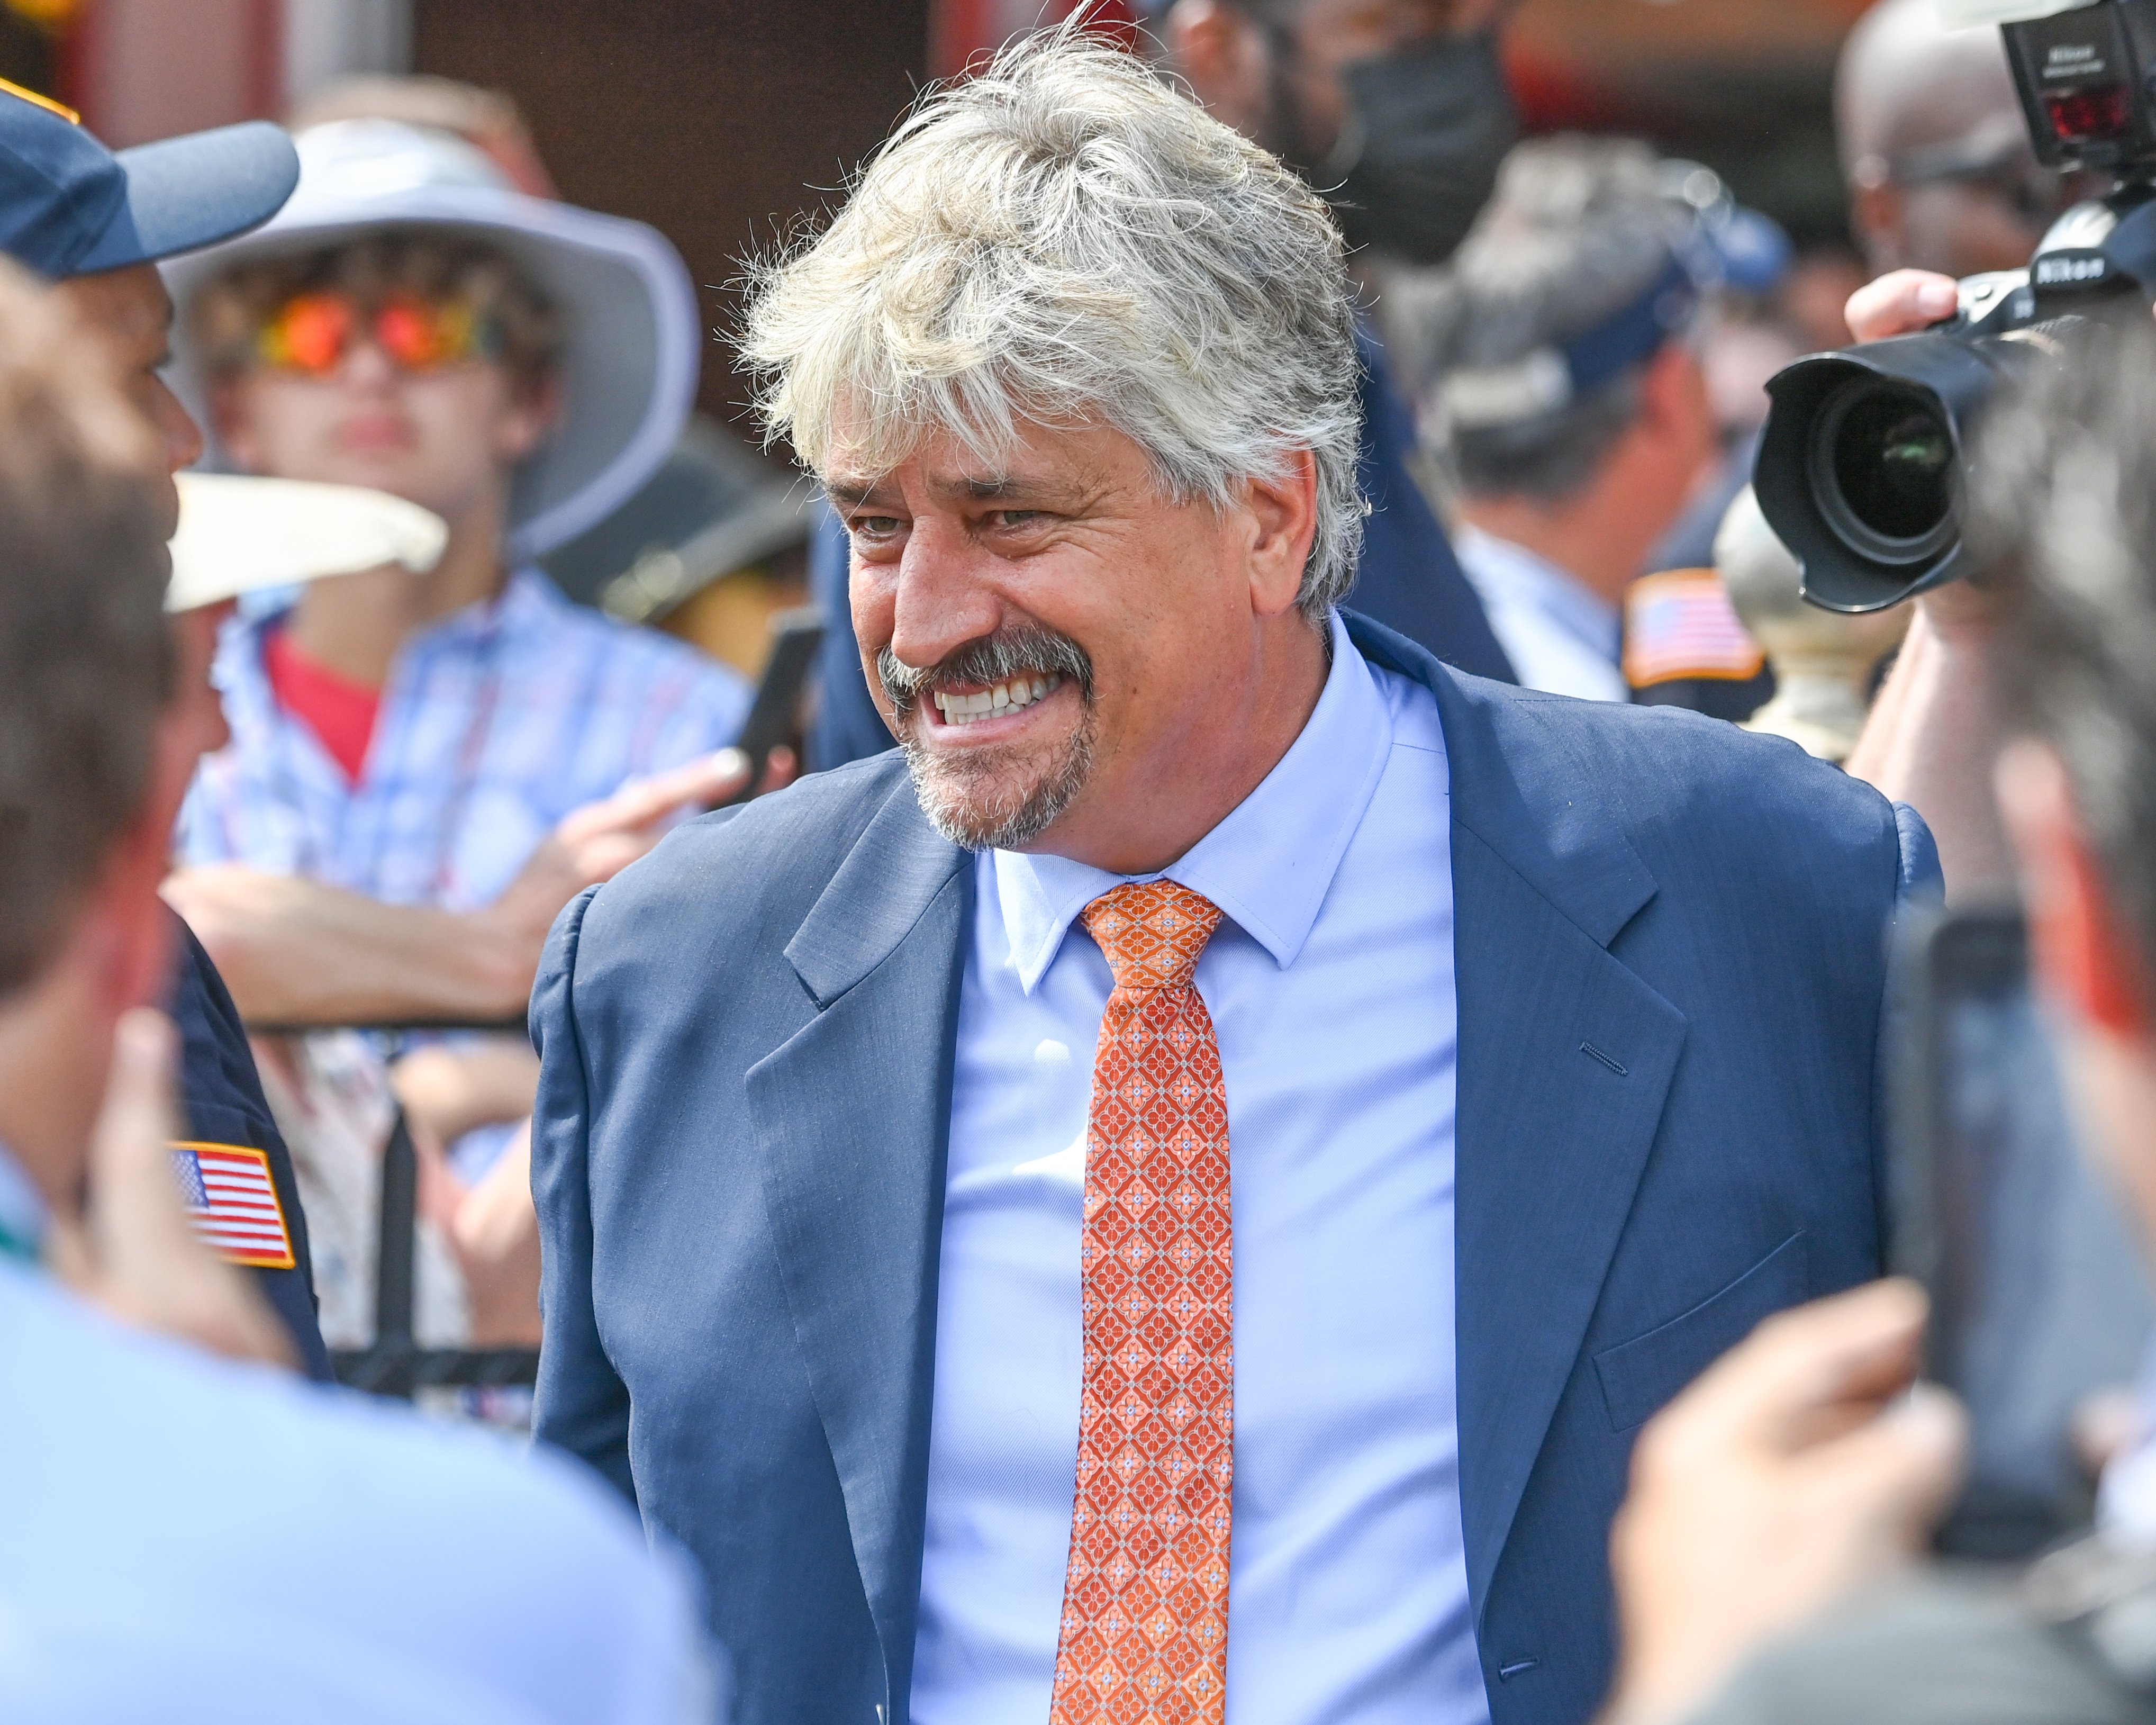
column 1934, row 148
column 1905, row 84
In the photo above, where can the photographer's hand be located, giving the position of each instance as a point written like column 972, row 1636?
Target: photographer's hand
column 1795, row 1472
column 1901, row 303
column 1934, row 732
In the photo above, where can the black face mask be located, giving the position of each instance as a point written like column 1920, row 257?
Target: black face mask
column 1418, row 157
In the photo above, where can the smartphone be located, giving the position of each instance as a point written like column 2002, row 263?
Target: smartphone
column 774, row 717
column 2039, row 1297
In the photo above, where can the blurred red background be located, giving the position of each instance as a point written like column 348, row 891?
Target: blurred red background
column 725, row 122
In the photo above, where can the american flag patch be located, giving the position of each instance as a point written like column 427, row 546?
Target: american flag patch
column 233, row 1203
column 1681, row 625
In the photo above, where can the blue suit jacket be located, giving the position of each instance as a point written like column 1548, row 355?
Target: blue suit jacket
column 1671, row 961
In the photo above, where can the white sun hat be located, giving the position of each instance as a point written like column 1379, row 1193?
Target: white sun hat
column 238, row 535
column 629, row 355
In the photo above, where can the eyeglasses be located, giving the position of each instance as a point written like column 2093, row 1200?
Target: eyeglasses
column 311, row 333
column 2035, row 195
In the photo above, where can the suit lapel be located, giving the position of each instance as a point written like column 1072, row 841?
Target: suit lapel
column 1565, row 1060
column 853, row 1115
column 1565, row 1057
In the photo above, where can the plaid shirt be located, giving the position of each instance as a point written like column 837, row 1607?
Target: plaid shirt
column 496, row 722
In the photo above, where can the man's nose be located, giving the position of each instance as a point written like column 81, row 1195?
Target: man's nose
column 183, row 437
column 945, row 593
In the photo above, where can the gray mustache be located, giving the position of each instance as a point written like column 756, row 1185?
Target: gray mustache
column 993, row 659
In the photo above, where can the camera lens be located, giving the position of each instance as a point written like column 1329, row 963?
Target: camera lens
column 1883, row 469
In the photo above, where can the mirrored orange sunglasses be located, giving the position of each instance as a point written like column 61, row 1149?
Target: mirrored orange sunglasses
column 311, row 333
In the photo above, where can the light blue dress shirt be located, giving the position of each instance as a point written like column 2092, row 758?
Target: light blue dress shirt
column 1560, row 637
column 1330, row 983
column 182, row 1538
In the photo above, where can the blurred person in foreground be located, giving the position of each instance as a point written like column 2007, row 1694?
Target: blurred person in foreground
column 1793, row 1480
column 411, row 322
column 1566, row 400
column 93, row 222
column 160, row 1504
column 892, row 1260
column 1398, row 112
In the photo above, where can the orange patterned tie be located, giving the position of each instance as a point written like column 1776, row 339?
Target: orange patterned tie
column 1144, row 1638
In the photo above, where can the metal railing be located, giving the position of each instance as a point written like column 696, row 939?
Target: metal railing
column 395, row 1363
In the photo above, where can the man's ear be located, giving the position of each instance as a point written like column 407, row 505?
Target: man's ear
column 1874, row 218
column 2084, row 948
column 535, row 412
column 1673, row 394
column 128, row 927
column 1283, row 512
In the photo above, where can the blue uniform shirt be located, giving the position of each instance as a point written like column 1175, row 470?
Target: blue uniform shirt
column 193, row 1540
column 222, row 1100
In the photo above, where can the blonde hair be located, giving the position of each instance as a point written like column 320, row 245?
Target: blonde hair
column 1066, row 237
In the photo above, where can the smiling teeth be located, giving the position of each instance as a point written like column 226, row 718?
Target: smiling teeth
column 1003, row 698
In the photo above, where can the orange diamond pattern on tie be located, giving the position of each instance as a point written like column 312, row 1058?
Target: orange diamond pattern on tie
column 1144, row 1638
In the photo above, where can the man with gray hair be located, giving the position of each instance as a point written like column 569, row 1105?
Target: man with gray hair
column 1168, row 1199
column 1569, row 407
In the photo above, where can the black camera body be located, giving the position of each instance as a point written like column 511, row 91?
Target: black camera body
column 1866, row 455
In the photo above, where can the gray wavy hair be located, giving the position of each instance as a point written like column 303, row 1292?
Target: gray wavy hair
column 1063, row 238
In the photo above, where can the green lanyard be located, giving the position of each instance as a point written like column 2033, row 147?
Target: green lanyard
column 21, row 1217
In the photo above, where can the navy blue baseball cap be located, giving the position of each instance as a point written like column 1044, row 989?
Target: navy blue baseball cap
column 70, row 206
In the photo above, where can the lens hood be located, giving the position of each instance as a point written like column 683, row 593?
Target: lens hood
column 1863, row 463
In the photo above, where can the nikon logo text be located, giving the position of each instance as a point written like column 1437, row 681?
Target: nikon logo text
column 2069, row 272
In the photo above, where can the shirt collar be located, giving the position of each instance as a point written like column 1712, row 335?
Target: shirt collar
column 1553, row 590
column 1269, row 864
column 23, row 1217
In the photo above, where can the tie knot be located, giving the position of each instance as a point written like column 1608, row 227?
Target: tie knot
column 1152, row 932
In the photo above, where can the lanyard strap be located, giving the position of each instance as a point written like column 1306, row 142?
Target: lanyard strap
column 22, row 1213
column 13, row 1245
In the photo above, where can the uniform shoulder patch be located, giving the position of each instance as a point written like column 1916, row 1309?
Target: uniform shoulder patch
column 232, row 1200
column 1679, row 625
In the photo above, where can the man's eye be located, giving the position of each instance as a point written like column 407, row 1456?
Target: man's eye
column 1014, row 518
column 876, row 527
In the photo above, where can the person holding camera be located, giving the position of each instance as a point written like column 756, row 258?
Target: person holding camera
column 1917, row 129
column 1937, row 159
column 1788, row 1487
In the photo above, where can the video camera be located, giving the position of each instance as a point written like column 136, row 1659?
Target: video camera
column 1865, row 452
